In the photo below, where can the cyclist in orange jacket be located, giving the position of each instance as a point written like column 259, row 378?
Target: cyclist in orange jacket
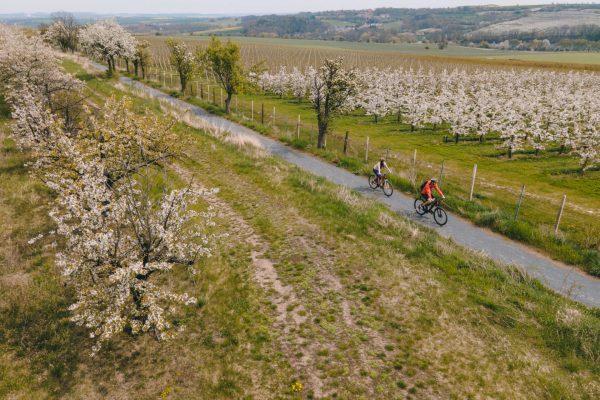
column 426, row 191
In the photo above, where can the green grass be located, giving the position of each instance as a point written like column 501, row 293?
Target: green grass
column 391, row 309
column 547, row 176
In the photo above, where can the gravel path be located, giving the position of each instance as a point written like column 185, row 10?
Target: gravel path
column 564, row 279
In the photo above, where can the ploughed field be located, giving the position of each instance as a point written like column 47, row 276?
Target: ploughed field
column 301, row 53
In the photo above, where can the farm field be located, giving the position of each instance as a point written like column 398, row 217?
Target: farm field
column 565, row 57
column 303, row 52
column 547, row 176
column 541, row 21
column 290, row 298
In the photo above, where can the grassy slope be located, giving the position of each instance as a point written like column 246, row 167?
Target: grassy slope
column 388, row 309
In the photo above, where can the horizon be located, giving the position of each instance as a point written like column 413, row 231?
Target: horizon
column 264, row 7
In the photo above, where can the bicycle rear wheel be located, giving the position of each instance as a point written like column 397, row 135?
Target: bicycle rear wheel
column 419, row 207
column 388, row 189
column 440, row 216
column 373, row 181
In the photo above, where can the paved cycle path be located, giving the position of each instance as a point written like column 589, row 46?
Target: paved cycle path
column 562, row 278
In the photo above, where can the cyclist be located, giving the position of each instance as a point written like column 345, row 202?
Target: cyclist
column 377, row 169
column 426, row 191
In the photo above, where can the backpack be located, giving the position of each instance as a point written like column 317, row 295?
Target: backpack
column 423, row 184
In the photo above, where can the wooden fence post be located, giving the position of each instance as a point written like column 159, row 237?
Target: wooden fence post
column 214, row 96
column 221, row 89
column 346, row 143
column 441, row 174
column 560, row 213
column 473, row 182
column 298, row 127
column 367, row 150
column 415, row 159
column 519, row 203
column 273, row 117
column 262, row 113
column 252, row 110
column 236, row 105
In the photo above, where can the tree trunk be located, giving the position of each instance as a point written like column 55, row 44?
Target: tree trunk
column 127, row 64
column 412, row 128
column 480, row 138
column 183, row 82
column 228, row 102
column 456, row 138
column 136, row 65
column 562, row 149
column 375, row 118
column 583, row 166
column 111, row 66
column 322, row 133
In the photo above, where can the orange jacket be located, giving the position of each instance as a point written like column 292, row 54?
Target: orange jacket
column 427, row 189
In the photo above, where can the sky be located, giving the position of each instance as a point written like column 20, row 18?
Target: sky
column 234, row 6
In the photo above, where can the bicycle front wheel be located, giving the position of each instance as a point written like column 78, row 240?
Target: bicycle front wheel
column 373, row 181
column 440, row 216
column 388, row 189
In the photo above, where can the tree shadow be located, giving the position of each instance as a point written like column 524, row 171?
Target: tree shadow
column 38, row 329
column 4, row 108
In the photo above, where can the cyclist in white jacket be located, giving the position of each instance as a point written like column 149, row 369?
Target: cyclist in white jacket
column 377, row 169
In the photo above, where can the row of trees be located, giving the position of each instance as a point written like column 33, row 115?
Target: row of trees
column 219, row 60
column 525, row 108
column 108, row 41
column 331, row 86
column 105, row 40
column 120, row 227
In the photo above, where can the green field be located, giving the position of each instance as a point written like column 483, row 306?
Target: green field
column 332, row 291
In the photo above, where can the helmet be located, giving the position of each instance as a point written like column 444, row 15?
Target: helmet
column 434, row 180
column 382, row 159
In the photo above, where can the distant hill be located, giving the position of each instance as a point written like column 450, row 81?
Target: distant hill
column 542, row 27
column 485, row 26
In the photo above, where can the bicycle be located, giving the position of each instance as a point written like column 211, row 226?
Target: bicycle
column 439, row 214
column 386, row 186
